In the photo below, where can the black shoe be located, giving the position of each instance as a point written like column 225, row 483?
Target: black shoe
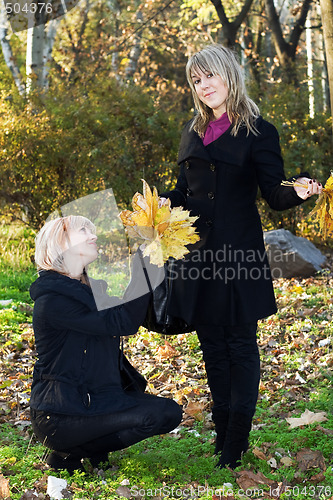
column 60, row 461
column 99, row 459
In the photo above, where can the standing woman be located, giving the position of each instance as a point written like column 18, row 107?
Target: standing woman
column 224, row 286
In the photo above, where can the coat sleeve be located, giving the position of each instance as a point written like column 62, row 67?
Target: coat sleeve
column 68, row 314
column 266, row 156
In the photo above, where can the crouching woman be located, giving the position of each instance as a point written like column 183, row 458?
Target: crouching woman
column 86, row 398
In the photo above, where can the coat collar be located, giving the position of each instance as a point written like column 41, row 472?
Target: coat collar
column 191, row 145
column 226, row 146
column 55, row 283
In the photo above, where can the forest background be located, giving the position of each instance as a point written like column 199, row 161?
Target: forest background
column 97, row 98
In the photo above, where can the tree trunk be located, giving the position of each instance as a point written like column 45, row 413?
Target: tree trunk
column 49, row 40
column 286, row 50
column 135, row 50
column 35, row 58
column 7, row 51
column 228, row 33
column 308, row 31
column 327, row 19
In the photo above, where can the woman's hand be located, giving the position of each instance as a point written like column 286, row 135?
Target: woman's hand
column 306, row 187
column 162, row 201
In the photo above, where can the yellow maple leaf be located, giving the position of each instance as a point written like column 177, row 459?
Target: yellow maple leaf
column 323, row 210
column 167, row 231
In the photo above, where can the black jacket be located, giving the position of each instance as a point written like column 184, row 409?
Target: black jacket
column 226, row 279
column 79, row 360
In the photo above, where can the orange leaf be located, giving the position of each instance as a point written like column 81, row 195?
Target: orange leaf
column 4, row 488
column 166, row 351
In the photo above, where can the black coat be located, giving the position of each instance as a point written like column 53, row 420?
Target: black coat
column 80, row 369
column 226, row 280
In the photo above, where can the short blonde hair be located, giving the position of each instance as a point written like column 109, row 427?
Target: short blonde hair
column 222, row 61
column 52, row 239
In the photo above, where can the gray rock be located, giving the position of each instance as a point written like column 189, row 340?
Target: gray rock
column 291, row 256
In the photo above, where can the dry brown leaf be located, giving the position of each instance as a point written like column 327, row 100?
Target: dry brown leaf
column 4, row 488
column 259, row 454
column 286, row 461
column 272, row 463
column 249, row 480
column 318, row 478
column 308, row 417
column 195, row 410
column 309, row 459
column 327, row 432
column 124, row 491
column 29, row 495
column 166, row 351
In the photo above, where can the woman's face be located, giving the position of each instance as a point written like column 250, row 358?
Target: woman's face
column 82, row 245
column 211, row 90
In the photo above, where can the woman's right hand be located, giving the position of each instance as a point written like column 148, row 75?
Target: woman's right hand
column 306, row 187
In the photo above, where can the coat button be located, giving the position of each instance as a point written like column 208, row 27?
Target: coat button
column 211, row 196
column 212, row 167
column 209, row 222
column 187, row 164
column 189, row 192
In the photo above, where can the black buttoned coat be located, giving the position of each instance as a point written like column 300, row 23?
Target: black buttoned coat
column 226, row 279
column 80, row 369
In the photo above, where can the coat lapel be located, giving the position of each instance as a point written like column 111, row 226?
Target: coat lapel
column 192, row 146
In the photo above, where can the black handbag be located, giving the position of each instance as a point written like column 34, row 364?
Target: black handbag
column 131, row 379
column 158, row 319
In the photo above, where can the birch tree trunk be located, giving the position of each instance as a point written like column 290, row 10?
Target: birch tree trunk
column 7, row 51
column 320, row 51
column 308, row 32
column 327, row 20
column 35, row 58
column 135, row 50
column 49, row 40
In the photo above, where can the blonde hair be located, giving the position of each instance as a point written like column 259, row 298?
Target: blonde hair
column 222, row 61
column 52, row 240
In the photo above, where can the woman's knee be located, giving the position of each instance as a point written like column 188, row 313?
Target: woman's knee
column 162, row 416
column 173, row 414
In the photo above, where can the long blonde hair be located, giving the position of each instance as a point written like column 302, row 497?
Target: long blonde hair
column 222, row 61
column 52, row 240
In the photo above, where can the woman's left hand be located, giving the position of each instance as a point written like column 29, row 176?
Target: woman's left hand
column 306, row 187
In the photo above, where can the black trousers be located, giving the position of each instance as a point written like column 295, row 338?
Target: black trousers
column 83, row 436
column 232, row 363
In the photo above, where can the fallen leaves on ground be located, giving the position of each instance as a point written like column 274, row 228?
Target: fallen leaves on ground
column 309, row 459
column 248, row 480
column 295, row 355
column 4, row 488
column 308, row 417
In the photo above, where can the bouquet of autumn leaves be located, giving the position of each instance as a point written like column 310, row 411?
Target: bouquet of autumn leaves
column 323, row 210
column 166, row 231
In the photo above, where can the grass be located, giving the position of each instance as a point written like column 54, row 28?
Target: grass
column 180, row 464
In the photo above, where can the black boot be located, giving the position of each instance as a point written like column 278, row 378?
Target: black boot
column 99, row 458
column 236, row 441
column 59, row 461
column 220, row 418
